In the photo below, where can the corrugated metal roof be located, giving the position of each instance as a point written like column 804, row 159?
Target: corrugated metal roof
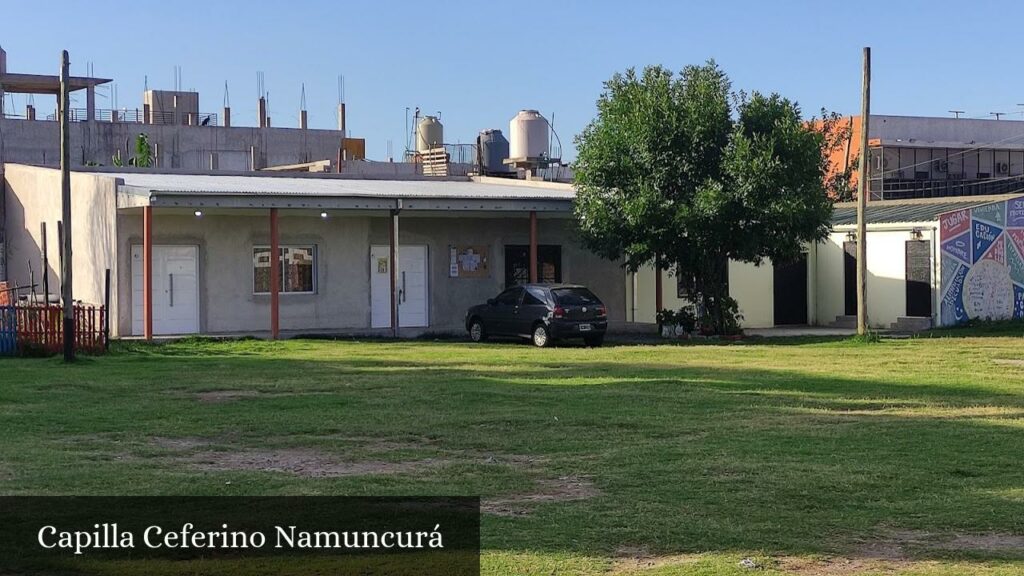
column 901, row 211
column 224, row 185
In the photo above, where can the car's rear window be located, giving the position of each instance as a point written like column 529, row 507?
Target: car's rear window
column 575, row 296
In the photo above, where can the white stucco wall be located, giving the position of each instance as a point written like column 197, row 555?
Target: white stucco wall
column 886, row 266
column 32, row 197
column 751, row 286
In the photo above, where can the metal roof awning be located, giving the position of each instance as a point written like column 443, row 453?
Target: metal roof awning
column 908, row 211
column 215, row 191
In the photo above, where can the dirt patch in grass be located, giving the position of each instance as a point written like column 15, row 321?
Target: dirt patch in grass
column 633, row 559
column 303, row 462
column 546, row 490
column 841, row 566
column 221, row 396
column 1008, row 361
column 181, row 444
column 903, row 544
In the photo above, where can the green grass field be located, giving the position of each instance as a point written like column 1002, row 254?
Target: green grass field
column 806, row 456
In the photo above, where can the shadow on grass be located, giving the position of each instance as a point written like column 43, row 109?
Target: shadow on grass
column 707, row 455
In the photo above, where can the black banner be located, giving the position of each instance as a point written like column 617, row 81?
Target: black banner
column 240, row 535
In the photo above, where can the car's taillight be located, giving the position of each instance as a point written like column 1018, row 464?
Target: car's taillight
column 559, row 312
column 602, row 311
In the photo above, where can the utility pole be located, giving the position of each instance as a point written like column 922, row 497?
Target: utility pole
column 863, row 189
column 65, row 205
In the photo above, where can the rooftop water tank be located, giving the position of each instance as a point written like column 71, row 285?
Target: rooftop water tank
column 429, row 134
column 493, row 149
column 528, row 134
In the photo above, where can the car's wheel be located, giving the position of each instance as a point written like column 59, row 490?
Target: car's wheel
column 594, row 341
column 476, row 331
column 541, row 337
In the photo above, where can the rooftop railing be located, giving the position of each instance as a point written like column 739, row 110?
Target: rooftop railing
column 129, row 116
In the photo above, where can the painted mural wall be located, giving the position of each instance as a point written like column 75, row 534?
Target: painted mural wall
column 982, row 262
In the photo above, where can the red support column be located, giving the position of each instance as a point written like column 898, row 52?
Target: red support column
column 147, row 272
column 657, row 285
column 275, row 276
column 393, row 262
column 533, row 246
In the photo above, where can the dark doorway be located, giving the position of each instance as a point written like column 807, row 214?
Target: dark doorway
column 791, row 291
column 517, row 264
column 919, row 278
column 850, row 277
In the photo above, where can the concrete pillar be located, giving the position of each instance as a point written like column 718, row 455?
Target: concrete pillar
column 214, row 161
column 147, row 272
column 261, row 109
column 275, row 277
column 147, row 117
column 227, row 116
column 303, row 120
column 533, row 246
column 268, row 121
column 90, row 104
column 115, row 116
column 30, row 112
column 341, row 116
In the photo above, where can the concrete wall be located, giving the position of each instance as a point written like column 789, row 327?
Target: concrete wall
column 451, row 296
column 226, row 299
column 928, row 129
column 342, row 302
column 189, row 147
column 32, row 196
column 886, row 266
column 751, row 286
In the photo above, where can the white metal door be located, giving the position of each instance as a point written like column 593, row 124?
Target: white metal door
column 412, row 286
column 175, row 290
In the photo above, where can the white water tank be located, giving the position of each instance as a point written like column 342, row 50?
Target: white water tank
column 528, row 135
column 429, row 134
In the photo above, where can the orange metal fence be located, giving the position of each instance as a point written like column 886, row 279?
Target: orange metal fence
column 40, row 328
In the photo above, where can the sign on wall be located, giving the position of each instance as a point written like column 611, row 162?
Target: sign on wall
column 468, row 262
column 983, row 262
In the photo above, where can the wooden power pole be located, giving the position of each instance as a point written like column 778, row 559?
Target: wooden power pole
column 863, row 189
column 67, row 298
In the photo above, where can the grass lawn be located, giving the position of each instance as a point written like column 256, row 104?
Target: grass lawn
column 809, row 457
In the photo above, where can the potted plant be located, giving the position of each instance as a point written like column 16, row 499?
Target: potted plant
column 677, row 323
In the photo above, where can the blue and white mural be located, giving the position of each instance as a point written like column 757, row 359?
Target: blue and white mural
column 982, row 262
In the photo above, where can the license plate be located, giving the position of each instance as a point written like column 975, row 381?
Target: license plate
column 585, row 327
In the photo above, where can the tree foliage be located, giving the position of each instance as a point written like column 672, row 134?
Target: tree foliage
column 682, row 172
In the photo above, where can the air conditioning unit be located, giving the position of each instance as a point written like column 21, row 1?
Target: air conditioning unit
column 940, row 165
column 1002, row 168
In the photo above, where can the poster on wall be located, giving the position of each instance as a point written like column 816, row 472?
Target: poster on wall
column 982, row 262
column 468, row 262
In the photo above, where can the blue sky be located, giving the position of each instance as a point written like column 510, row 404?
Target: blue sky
column 480, row 62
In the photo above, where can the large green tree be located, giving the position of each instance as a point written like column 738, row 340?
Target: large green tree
column 681, row 172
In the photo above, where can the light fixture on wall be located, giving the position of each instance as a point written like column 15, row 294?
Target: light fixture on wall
column 917, row 234
column 323, row 214
column 199, row 213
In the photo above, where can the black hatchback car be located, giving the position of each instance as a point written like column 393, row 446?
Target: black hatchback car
column 542, row 313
